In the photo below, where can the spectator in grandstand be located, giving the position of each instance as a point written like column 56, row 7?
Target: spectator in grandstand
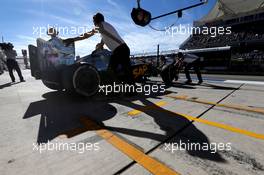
column 12, row 63
column 191, row 61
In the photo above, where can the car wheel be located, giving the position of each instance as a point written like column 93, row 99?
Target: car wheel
column 86, row 80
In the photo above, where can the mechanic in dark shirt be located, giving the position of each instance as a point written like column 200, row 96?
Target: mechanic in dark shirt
column 191, row 61
column 12, row 63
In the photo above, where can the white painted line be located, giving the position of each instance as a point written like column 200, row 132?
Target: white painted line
column 244, row 82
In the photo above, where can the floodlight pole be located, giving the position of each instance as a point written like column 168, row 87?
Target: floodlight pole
column 158, row 52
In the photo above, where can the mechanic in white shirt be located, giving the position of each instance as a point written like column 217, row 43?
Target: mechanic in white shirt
column 191, row 61
column 110, row 37
column 120, row 50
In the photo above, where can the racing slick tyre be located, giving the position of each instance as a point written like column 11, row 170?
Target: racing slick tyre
column 167, row 75
column 86, row 80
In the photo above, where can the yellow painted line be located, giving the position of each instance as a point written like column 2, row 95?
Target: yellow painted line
column 153, row 166
column 231, row 106
column 223, row 126
column 218, row 125
column 137, row 112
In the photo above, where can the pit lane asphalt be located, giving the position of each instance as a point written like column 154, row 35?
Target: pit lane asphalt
column 131, row 144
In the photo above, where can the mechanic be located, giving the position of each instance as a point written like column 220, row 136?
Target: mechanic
column 54, row 37
column 163, row 62
column 191, row 61
column 12, row 63
column 120, row 50
column 111, row 38
column 2, row 61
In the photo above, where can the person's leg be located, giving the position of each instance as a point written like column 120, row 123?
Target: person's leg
column 197, row 71
column 10, row 70
column 121, row 56
column 187, row 72
column 17, row 68
column 113, row 63
column 126, row 64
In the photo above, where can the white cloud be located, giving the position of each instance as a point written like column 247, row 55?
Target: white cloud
column 148, row 41
column 26, row 39
column 111, row 2
column 51, row 17
column 23, row 42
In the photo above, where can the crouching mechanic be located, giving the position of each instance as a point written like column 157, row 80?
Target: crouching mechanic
column 191, row 61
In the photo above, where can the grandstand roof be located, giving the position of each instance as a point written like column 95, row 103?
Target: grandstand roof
column 232, row 8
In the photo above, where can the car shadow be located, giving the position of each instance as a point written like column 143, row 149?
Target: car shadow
column 213, row 86
column 60, row 112
column 178, row 130
column 2, row 86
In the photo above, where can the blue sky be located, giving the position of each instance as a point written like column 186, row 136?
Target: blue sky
column 20, row 20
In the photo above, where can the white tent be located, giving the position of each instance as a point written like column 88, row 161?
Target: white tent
column 224, row 9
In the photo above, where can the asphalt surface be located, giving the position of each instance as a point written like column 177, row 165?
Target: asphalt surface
column 213, row 128
column 230, row 77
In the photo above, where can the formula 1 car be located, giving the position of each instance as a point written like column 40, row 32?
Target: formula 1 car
column 58, row 69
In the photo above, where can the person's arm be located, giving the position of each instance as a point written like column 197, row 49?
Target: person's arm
column 79, row 38
column 102, row 43
column 84, row 36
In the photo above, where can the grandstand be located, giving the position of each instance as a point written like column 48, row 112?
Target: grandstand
column 241, row 50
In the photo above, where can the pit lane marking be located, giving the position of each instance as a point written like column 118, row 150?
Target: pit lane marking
column 231, row 106
column 223, row 126
column 153, row 166
column 214, row 124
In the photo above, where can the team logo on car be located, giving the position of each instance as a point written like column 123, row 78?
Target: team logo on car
column 140, row 71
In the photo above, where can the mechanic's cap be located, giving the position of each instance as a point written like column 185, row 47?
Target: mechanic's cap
column 180, row 55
